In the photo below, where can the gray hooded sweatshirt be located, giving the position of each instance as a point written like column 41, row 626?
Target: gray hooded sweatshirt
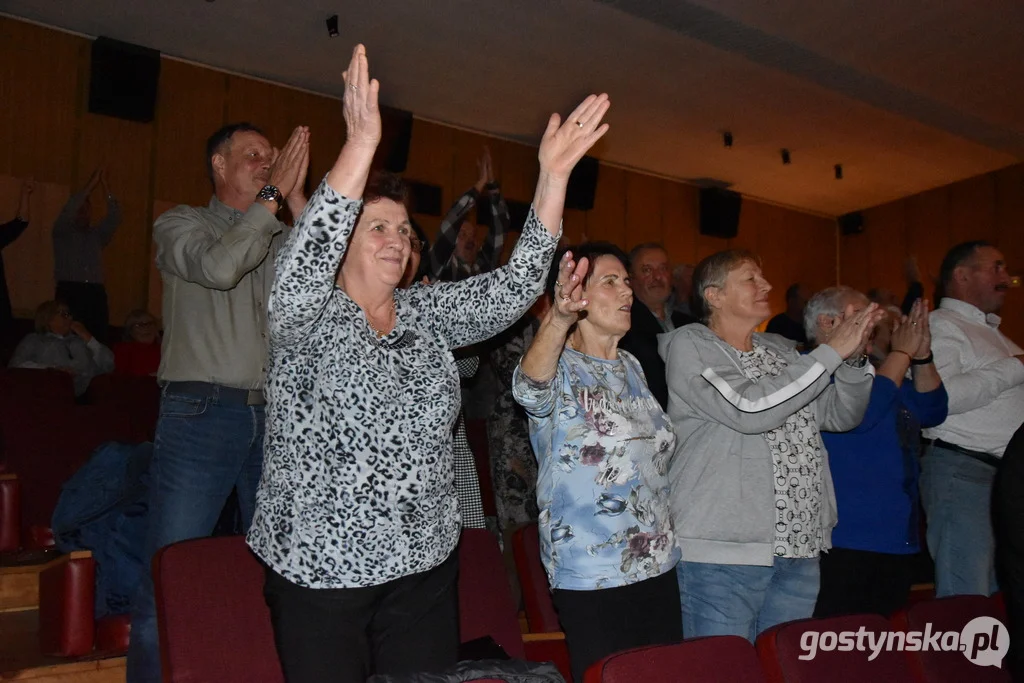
column 722, row 495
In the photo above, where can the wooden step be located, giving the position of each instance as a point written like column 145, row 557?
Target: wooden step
column 21, row 660
column 111, row 670
column 19, row 583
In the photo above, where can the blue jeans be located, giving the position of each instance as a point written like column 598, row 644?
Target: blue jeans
column 204, row 447
column 956, row 491
column 744, row 600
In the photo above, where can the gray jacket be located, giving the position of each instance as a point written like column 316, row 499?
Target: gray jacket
column 722, row 495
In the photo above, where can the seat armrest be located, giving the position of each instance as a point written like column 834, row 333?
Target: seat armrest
column 67, row 592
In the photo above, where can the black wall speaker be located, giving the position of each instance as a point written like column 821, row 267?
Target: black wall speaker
column 123, row 80
column 424, row 198
column 851, row 223
column 579, row 193
column 719, row 212
column 399, row 123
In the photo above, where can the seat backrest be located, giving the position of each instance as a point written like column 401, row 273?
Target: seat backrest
column 476, row 435
column 540, row 610
column 18, row 384
column 10, row 512
column 946, row 615
column 46, row 443
column 486, row 607
column 214, row 624
column 829, row 651
column 697, row 660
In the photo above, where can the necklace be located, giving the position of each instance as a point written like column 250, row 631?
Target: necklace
column 391, row 316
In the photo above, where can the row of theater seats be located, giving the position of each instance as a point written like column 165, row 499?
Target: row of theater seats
column 777, row 655
column 214, row 625
column 46, row 435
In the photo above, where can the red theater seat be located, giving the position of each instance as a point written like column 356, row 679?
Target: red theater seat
column 10, row 512
column 67, row 589
column 780, row 648
column 951, row 614
column 698, row 660
column 540, row 610
column 214, row 624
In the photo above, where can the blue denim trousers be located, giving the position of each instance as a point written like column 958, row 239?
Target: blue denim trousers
column 204, row 447
column 744, row 600
column 956, row 491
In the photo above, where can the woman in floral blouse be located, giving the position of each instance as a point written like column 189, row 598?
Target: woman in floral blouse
column 603, row 445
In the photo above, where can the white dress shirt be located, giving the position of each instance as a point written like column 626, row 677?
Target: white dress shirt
column 984, row 381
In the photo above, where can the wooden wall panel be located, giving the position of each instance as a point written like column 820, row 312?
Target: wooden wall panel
column 42, row 80
column 680, row 217
column 124, row 149
column 431, row 162
column 643, row 210
column 1009, row 219
column 516, row 167
column 607, row 220
column 854, row 261
column 887, row 246
column 972, row 209
column 190, row 109
column 28, row 261
column 928, row 233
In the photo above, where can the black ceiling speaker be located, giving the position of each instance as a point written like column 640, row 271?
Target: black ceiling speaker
column 123, row 80
column 851, row 223
column 719, row 212
column 579, row 193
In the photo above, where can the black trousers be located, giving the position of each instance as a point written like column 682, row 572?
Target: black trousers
column 88, row 304
column 863, row 582
column 345, row 635
column 598, row 623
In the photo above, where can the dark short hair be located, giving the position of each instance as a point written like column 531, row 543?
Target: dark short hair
column 635, row 251
column 386, row 185
column 956, row 257
column 215, row 143
column 712, row 272
column 590, row 251
column 792, row 291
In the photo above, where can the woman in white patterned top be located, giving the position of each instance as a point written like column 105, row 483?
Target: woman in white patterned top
column 752, row 496
column 357, row 518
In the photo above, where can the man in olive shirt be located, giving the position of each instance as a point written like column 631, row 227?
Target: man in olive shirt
column 217, row 265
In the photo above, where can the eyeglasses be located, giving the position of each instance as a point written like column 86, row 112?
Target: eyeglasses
column 416, row 244
column 145, row 323
column 64, row 313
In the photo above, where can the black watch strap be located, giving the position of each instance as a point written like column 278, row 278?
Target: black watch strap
column 269, row 193
column 923, row 361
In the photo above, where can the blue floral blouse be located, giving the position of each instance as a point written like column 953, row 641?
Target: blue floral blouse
column 603, row 446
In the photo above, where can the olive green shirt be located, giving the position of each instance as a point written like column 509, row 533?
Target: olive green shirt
column 217, row 265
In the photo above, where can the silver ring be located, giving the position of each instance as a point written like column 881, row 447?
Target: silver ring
column 914, row 324
column 565, row 298
column 558, row 284
column 579, row 123
column 354, row 86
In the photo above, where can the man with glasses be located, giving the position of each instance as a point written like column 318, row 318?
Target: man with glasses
column 651, row 313
column 217, row 265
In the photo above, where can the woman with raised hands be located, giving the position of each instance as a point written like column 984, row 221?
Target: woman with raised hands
column 603, row 445
column 357, row 518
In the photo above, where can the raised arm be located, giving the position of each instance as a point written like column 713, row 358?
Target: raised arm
column 106, row 228
column 475, row 309
column 308, row 263
column 489, row 256
column 444, row 246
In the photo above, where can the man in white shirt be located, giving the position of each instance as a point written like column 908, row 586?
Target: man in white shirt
column 984, row 375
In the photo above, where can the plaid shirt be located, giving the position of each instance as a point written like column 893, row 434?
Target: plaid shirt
column 442, row 260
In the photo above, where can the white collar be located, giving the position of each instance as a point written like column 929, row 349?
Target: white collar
column 970, row 311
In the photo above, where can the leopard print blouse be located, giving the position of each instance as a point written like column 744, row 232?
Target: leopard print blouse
column 358, row 484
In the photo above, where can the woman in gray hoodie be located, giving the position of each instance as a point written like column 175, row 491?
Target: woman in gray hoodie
column 751, row 493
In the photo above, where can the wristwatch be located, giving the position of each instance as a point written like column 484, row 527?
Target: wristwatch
column 269, row 193
column 858, row 362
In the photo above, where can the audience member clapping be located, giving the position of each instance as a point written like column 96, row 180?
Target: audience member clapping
column 752, row 496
